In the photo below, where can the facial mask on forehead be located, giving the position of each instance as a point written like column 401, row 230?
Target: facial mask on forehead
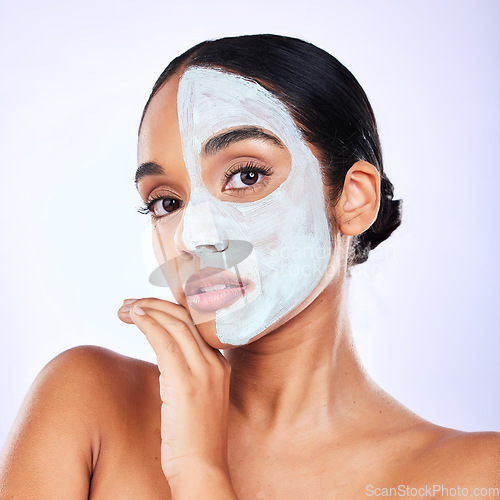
column 287, row 230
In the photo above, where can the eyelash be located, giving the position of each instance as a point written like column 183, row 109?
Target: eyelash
column 146, row 208
column 247, row 167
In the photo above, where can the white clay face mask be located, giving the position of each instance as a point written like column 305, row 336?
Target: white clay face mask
column 256, row 261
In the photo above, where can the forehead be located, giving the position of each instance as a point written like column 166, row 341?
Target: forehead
column 211, row 100
column 159, row 130
column 204, row 101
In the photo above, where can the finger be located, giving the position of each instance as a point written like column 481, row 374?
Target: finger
column 177, row 311
column 124, row 311
column 183, row 335
column 169, row 356
column 125, row 316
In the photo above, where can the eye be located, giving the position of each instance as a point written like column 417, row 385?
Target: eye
column 243, row 179
column 160, row 206
column 164, row 206
column 245, row 176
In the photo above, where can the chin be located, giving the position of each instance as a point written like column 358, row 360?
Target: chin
column 209, row 333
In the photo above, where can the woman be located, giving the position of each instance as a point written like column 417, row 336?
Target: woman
column 260, row 164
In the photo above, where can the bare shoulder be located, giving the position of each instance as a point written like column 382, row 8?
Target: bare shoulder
column 448, row 458
column 70, row 408
column 420, row 454
column 88, row 382
column 469, row 455
column 93, row 361
column 94, row 367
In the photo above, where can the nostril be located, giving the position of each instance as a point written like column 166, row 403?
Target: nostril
column 222, row 245
column 216, row 247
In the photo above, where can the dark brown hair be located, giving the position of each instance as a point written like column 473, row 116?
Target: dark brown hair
column 326, row 101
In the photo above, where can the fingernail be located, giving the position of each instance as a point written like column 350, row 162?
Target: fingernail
column 126, row 308
column 139, row 310
column 129, row 301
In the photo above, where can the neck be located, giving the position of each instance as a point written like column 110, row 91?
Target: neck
column 305, row 369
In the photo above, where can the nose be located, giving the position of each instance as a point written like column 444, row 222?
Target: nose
column 197, row 232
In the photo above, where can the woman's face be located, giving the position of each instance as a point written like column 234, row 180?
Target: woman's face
column 240, row 227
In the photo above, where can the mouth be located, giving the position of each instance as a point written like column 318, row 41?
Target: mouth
column 213, row 289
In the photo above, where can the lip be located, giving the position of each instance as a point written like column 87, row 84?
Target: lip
column 211, row 300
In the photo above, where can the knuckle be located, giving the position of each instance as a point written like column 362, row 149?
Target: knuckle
column 166, row 344
column 203, row 368
column 218, row 372
column 185, row 329
column 221, row 365
column 170, row 346
column 144, row 302
column 186, row 317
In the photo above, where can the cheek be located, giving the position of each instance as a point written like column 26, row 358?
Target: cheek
column 270, row 224
column 167, row 257
column 164, row 233
column 290, row 234
column 158, row 247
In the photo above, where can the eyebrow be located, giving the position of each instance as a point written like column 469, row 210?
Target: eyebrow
column 148, row 168
column 212, row 146
column 225, row 139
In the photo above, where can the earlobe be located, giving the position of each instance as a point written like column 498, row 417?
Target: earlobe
column 359, row 203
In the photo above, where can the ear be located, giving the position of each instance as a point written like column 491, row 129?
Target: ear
column 359, row 203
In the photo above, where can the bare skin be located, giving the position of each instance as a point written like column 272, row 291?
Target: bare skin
column 291, row 415
column 91, row 428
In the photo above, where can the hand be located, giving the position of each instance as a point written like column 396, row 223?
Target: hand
column 194, row 389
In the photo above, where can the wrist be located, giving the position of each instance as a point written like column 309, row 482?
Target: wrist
column 202, row 480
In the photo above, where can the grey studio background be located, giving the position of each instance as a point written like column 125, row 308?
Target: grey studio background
column 74, row 79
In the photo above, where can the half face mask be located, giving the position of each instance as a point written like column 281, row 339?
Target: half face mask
column 252, row 262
